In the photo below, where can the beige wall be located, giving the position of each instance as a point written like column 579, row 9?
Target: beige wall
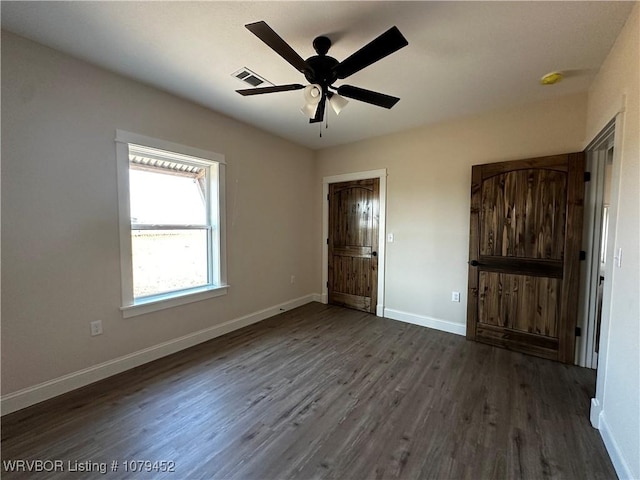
column 60, row 243
column 429, row 176
column 616, row 408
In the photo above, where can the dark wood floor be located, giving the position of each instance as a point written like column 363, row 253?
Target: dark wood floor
column 324, row 392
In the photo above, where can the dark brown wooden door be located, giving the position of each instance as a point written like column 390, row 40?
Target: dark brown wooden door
column 353, row 244
column 524, row 254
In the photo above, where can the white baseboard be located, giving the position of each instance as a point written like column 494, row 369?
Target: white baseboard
column 621, row 466
column 31, row 395
column 435, row 323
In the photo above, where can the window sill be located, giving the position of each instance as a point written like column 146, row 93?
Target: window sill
column 162, row 302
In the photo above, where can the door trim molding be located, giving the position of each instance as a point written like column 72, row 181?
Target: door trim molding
column 596, row 157
column 381, row 174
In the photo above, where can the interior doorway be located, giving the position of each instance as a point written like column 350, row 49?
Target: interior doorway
column 599, row 162
column 525, row 237
column 353, row 244
column 377, row 305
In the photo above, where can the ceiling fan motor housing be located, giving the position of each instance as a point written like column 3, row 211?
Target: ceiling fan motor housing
column 322, row 66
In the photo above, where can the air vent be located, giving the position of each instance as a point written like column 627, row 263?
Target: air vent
column 251, row 78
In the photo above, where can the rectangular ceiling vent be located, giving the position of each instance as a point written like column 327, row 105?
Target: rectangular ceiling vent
column 251, row 78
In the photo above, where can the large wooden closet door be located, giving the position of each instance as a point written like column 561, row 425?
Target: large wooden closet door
column 353, row 244
column 524, row 254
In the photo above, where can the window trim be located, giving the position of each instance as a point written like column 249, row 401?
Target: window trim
column 131, row 307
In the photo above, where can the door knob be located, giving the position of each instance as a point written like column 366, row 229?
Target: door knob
column 374, row 254
column 474, row 263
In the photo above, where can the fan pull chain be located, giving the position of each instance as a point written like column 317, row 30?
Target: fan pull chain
column 326, row 119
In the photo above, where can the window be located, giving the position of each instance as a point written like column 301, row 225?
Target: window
column 171, row 223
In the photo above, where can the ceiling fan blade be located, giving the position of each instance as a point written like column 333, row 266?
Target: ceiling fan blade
column 277, row 88
column 385, row 44
column 265, row 33
column 319, row 111
column 368, row 96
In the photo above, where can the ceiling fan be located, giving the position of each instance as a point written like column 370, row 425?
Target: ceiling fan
column 322, row 71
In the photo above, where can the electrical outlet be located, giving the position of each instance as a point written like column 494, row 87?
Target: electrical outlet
column 96, row 328
column 293, row 279
column 455, row 296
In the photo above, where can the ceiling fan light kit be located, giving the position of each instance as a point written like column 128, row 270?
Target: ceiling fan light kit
column 322, row 71
column 312, row 93
column 337, row 102
column 312, row 96
column 309, row 109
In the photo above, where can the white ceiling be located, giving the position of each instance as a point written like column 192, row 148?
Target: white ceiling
column 463, row 58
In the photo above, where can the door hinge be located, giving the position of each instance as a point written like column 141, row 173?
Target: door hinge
column 578, row 332
column 583, row 255
column 587, row 176
column 327, row 241
column 327, row 197
column 327, row 283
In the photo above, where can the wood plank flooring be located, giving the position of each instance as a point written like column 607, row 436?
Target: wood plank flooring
column 323, row 392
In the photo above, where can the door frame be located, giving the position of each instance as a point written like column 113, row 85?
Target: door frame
column 596, row 157
column 380, row 174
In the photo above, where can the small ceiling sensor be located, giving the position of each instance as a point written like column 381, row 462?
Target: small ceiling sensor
column 551, row 78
